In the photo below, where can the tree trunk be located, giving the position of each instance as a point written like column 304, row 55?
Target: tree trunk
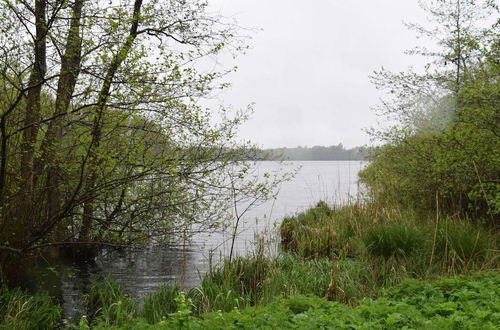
column 89, row 207
column 25, row 217
column 70, row 69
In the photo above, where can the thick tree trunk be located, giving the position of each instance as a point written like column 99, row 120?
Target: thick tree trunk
column 89, row 207
column 70, row 69
column 25, row 217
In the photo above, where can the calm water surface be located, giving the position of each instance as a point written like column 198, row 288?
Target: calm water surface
column 142, row 272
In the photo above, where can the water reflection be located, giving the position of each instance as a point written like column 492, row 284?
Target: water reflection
column 142, row 271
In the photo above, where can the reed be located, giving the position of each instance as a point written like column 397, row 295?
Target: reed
column 159, row 304
column 321, row 231
column 394, row 239
column 390, row 243
column 462, row 247
column 108, row 304
column 249, row 281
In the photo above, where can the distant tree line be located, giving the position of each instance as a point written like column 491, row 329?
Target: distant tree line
column 337, row 152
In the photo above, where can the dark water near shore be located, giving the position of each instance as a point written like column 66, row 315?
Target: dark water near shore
column 142, row 271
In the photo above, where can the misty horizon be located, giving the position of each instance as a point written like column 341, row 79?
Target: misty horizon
column 309, row 82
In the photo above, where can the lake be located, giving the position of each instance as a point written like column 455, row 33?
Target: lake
column 142, row 272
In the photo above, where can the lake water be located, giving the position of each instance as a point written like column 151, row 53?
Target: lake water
column 142, row 272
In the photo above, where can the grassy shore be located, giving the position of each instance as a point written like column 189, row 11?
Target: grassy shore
column 465, row 302
column 354, row 266
column 458, row 303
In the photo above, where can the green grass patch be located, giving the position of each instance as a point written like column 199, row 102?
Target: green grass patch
column 159, row 304
column 393, row 239
column 455, row 303
column 108, row 304
column 19, row 310
column 395, row 243
column 462, row 241
column 256, row 280
column 321, row 231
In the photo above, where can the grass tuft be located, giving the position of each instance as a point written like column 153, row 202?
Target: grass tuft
column 108, row 305
column 18, row 310
column 394, row 239
column 159, row 304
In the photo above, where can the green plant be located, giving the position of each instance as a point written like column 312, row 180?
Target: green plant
column 291, row 275
column 256, row 280
column 108, row 304
column 320, row 231
column 394, row 239
column 159, row 304
column 18, row 310
column 235, row 283
column 182, row 318
column 462, row 242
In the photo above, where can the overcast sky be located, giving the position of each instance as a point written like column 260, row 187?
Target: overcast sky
column 307, row 71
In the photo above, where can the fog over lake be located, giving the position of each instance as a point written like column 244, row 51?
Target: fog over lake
column 308, row 65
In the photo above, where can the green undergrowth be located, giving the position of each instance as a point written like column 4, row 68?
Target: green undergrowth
column 448, row 303
column 159, row 304
column 108, row 304
column 257, row 280
column 351, row 267
column 471, row 302
column 19, row 310
column 312, row 233
column 411, row 245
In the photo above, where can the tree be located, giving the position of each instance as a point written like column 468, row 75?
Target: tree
column 102, row 136
column 444, row 139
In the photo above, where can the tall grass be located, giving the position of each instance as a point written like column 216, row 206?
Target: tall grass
column 321, row 231
column 159, row 304
column 19, row 310
column 462, row 247
column 248, row 281
column 108, row 304
column 394, row 239
column 393, row 243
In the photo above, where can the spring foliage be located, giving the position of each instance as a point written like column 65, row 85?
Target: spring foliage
column 103, row 139
column 443, row 150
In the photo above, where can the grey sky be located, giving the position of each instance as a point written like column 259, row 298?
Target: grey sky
column 307, row 71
